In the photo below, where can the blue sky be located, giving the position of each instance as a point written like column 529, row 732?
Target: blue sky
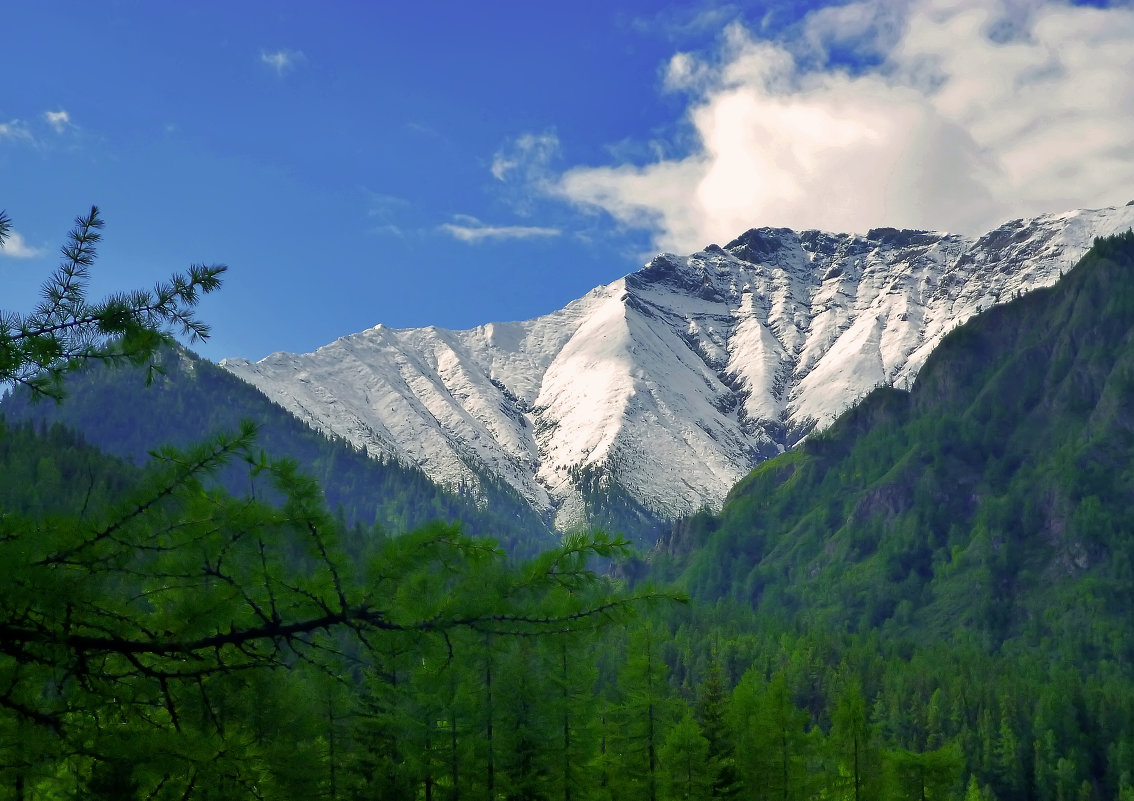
column 456, row 163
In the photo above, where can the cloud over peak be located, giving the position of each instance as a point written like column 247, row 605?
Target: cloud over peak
column 953, row 114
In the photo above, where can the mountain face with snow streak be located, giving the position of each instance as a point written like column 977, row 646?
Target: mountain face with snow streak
column 667, row 386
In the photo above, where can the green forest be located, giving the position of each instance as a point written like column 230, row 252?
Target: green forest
column 929, row 600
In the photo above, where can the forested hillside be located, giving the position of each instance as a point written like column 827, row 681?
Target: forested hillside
column 51, row 470
column 118, row 410
column 962, row 553
column 161, row 639
column 994, row 496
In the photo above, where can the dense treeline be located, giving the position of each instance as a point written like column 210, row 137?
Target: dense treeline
column 51, row 469
column 162, row 639
column 807, row 705
column 690, row 701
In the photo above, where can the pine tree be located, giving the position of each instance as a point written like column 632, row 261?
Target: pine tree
column 528, row 730
column 711, row 711
column 67, row 329
column 854, row 745
column 686, row 769
column 772, row 747
column 1008, row 759
column 928, row 776
column 643, row 716
column 572, row 680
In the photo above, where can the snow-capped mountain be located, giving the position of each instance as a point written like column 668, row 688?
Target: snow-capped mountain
column 670, row 384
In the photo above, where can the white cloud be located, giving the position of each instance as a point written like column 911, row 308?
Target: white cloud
column 950, row 114
column 16, row 130
column 59, row 120
column 470, row 229
column 16, row 248
column 282, row 61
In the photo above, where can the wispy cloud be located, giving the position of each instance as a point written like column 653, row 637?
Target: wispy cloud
column 682, row 21
column 382, row 209
column 381, row 205
column 470, row 229
column 528, row 157
column 34, row 133
column 59, row 120
column 16, row 130
column 523, row 169
column 15, row 247
column 429, row 131
column 282, row 61
column 952, row 114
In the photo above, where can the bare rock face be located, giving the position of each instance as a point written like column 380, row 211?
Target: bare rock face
column 665, row 387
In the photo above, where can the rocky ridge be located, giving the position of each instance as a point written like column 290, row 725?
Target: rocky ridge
column 667, row 386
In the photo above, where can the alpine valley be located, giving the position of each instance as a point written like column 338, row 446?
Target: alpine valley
column 649, row 398
column 927, row 600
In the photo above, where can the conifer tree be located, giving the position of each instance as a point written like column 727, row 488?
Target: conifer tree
column 572, row 680
column 928, row 776
column 772, row 747
column 712, row 713
column 528, row 730
column 854, row 744
column 1008, row 759
column 643, row 716
column 686, row 768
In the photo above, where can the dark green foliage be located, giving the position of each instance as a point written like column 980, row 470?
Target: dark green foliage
column 196, row 644
column 687, row 769
column 711, row 709
column 924, row 776
column 49, row 470
column 854, row 745
column 643, row 716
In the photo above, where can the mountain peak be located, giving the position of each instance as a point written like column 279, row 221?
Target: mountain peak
column 648, row 398
column 759, row 244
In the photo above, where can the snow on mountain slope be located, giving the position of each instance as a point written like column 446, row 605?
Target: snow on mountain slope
column 673, row 382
